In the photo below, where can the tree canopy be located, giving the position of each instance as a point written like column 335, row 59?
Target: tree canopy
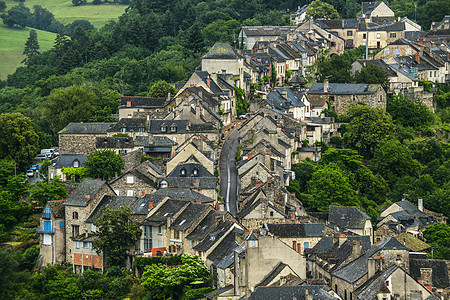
column 104, row 164
column 318, row 10
column 371, row 73
column 161, row 89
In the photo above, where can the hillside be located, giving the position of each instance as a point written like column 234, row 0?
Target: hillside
column 12, row 42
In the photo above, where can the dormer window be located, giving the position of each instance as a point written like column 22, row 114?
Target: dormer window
column 141, row 129
column 195, row 172
column 163, row 184
column 183, row 172
column 163, row 128
column 173, row 128
column 123, row 130
column 76, row 163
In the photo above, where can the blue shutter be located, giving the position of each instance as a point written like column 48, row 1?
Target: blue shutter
column 306, row 245
column 61, row 224
column 47, row 212
column 47, row 226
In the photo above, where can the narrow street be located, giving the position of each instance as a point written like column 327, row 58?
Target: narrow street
column 228, row 172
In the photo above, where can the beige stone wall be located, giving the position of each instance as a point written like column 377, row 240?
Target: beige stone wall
column 300, row 242
column 77, row 144
column 263, row 258
column 405, row 285
column 258, row 172
column 377, row 39
column 256, row 223
column 184, row 155
column 139, row 187
column 52, row 253
column 231, row 66
column 389, row 51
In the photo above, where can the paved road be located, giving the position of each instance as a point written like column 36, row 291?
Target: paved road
column 228, row 172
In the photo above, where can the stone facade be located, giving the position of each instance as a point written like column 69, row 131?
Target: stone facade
column 258, row 171
column 132, row 184
column 78, row 144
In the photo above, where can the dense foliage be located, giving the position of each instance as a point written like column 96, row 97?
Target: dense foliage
column 105, row 164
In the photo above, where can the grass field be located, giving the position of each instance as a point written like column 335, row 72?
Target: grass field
column 12, row 43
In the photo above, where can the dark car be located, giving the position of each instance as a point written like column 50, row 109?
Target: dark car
column 222, row 136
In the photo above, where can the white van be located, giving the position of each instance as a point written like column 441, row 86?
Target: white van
column 50, row 152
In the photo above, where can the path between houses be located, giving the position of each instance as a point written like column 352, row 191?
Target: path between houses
column 228, row 172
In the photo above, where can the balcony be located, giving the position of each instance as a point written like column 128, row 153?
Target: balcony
column 42, row 230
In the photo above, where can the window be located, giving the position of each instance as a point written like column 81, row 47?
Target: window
column 333, row 44
column 76, row 163
column 47, row 213
column 77, row 244
column 397, row 52
column 130, row 193
column 163, row 184
column 349, row 33
column 75, row 215
column 364, row 36
column 130, row 179
column 306, row 245
column 354, row 98
column 159, row 229
column 141, row 129
column 163, row 128
column 193, row 244
column 123, row 130
column 176, row 234
column 147, row 237
column 173, row 128
column 195, row 172
column 183, row 172
column 386, row 51
column 174, row 139
column 47, row 239
column 93, row 228
column 408, row 51
column 47, row 226
column 378, row 35
column 399, row 257
column 75, row 230
column 393, row 35
column 271, row 213
column 61, row 224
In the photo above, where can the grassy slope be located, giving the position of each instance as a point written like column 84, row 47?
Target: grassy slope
column 12, row 41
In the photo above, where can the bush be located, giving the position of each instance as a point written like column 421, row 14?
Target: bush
column 198, row 293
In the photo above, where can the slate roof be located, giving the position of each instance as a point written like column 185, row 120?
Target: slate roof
column 167, row 209
column 296, row 79
column 189, row 169
column 326, row 244
column 57, row 208
column 155, row 126
column 272, row 274
column 293, row 98
column 376, row 284
column 141, row 207
column 411, row 208
column 369, row 7
column 267, row 30
column 191, row 182
column 439, row 267
column 203, row 127
column 64, row 161
column 131, row 125
column 379, row 63
column 110, row 202
column 204, row 227
column 225, row 247
column 358, row 267
column 189, row 216
column 297, row 230
column 344, row 88
column 213, row 236
column 142, row 102
column 114, row 142
column 86, row 128
column 212, row 84
column 337, row 24
column 186, row 194
column 220, row 51
column 249, row 208
column 290, row 292
column 87, row 187
column 347, row 217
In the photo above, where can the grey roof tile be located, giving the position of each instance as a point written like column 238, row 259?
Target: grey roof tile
column 87, row 187
column 86, row 128
column 347, row 217
column 297, row 230
column 64, row 161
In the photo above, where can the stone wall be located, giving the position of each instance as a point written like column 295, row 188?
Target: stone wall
column 52, row 253
column 258, row 172
column 77, row 144
column 138, row 188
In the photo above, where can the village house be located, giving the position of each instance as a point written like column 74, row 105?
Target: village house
column 65, row 161
column 340, row 95
column 331, row 40
column 81, row 138
column 249, row 35
column 351, row 219
column 143, row 107
column 345, row 28
column 378, row 12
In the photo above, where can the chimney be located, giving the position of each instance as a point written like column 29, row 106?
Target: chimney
column 418, row 57
column 426, row 276
column 420, row 204
column 356, row 248
column 371, row 267
column 326, row 85
column 208, row 81
column 87, row 198
column 128, row 103
column 292, row 216
column 284, row 93
column 150, row 205
column 342, row 239
column 267, row 161
column 168, row 96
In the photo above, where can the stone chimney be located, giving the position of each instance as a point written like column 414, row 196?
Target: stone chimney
column 373, row 265
column 420, row 204
column 168, row 96
column 150, row 205
column 208, row 81
column 426, row 277
column 356, row 248
column 326, row 85
column 418, row 57
column 284, row 94
column 267, row 161
column 342, row 239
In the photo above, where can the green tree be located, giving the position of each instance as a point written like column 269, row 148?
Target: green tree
column 116, row 232
column 330, row 186
column 164, row 281
column 18, row 16
column 31, row 47
column 79, row 2
column 18, row 139
column 393, row 160
column 42, row 191
column 367, row 127
column 105, row 164
column 336, row 69
column 2, row 5
column 409, row 112
column 438, row 237
column 161, row 89
column 371, row 73
column 318, row 10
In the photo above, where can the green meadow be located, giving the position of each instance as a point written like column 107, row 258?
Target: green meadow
column 12, row 41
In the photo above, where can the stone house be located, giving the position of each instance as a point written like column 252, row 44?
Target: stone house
column 299, row 16
column 134, row 183
column 411, row 209
column 270, row 156
column 432, row 274
column 190, row 152
column 345, row 28
column 51, row 234
column 65, row 161
column 390, row 282
column 327, row 38
column 377, row 11
column 132, row 127
column 120, row 145
column 199, row 232
column 191, row 175
column 340, row 96
column 300, row 236
column 175, row 130
column 306, row 292
column 132, row 106
column 348, row 278
column 252, row 34
column 77, row 209
column 351, row 219
column 256, row 171
column 81, row 138
column 261, row 211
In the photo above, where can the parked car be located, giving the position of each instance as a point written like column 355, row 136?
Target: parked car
column 30, row 173
column 222, row 136
column 243, row 117
column 51, row 152
column 34, row 167
column 42, row 157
